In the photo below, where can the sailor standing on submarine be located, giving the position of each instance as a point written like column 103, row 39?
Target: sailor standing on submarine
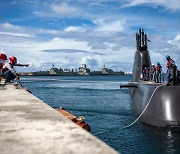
column 170, row 64
column 158, row 72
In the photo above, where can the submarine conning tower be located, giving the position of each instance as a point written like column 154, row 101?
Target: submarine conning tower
column 142, row 58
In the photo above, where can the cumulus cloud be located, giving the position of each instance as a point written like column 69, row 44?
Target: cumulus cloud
column 70, row 50
column 95, row 36
column 89, row 61
column 74, row 48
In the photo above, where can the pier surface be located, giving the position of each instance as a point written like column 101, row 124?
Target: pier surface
column 30, row 126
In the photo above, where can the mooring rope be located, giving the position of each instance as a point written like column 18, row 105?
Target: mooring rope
column 29, row 80
column 127, row 126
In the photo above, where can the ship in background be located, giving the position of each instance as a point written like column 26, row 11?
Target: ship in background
column 81, row 71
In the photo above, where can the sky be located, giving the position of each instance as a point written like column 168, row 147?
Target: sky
column 69, row 33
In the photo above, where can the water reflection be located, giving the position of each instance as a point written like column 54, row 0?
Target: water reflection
column 169, row 142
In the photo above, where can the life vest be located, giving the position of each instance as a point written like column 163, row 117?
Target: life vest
column 158, row 68
column 145, row 70
column 153, row 69
column 170, row 63
column 4, row 68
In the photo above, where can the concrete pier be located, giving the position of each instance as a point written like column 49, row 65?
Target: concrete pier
column 30, row 126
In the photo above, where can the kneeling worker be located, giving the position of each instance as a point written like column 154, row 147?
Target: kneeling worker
column 3, row 59
column 8, row 71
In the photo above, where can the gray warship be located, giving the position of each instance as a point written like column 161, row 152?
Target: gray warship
column 156, row 104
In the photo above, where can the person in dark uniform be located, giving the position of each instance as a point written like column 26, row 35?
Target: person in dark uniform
column 170, row 64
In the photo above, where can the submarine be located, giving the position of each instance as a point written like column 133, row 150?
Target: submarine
column 156, row 104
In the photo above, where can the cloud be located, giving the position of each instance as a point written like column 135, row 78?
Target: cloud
column 91, row 62
column 14, row 30
column 9, row 29
column 61, row 10
column 175, row 41
column 161, row 46
column 65, row 48
column 173, row 5
column 110, row 25
column 95, row 32
column 64, row 10
column 74, row 48
column 12, row 27
column 16, row 34
column 177, row 38
column 72, row 51
column 65, row 43
column 74, row 29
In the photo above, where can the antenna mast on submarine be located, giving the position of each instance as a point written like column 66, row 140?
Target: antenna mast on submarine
column 141, row 40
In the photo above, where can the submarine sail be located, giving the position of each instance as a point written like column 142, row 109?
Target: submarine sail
column 142, row 58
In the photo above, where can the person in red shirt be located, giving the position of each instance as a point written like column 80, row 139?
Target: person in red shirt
column 152, row 72
column 146, row 74
column 158, row 72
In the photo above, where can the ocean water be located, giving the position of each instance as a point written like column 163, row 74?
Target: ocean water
column 106, row 108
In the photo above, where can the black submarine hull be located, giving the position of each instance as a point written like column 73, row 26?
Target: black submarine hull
column 154, row 103
column 163, row 108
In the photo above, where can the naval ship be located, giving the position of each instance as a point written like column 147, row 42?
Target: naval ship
column 155, row 104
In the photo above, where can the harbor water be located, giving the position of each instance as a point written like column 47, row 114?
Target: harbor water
column 106, row 108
